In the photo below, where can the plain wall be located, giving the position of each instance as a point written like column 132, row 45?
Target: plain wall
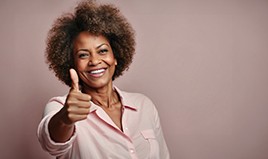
column 203, row 63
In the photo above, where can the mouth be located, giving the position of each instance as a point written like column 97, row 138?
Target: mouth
column 97, row 72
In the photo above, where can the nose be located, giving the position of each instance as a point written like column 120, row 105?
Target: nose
column 94, row 60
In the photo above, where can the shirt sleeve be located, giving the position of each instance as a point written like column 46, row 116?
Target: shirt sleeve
column 54, row 148
column 164, row 153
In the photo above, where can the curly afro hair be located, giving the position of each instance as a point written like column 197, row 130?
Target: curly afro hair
column 98, row 19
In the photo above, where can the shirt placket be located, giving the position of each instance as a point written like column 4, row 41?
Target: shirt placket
column 129, row 143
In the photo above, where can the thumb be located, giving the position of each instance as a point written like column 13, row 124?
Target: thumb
column 75, row 79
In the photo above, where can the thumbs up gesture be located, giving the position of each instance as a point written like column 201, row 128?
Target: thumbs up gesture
column 77, row 104
column 76, row 108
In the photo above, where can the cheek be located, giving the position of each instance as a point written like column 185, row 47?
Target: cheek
column 80, row 64
column 111, row 60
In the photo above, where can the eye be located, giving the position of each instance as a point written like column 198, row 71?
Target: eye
column 82, row 55
column 103, row 51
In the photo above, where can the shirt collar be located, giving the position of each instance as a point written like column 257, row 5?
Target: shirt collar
column 125, row 99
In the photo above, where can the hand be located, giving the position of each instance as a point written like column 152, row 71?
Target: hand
column 77, row 104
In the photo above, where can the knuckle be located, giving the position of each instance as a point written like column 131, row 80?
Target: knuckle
column 69, row 109
column 70, row 116
column 69, row 102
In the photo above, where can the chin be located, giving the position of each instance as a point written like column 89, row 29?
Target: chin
column 98, row 84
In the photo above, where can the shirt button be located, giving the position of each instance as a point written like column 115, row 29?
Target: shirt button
column 126, row 128
column 131, row 150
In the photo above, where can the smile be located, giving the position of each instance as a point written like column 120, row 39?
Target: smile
column 97, row 73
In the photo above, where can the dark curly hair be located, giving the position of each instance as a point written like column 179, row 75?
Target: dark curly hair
column 98, row 19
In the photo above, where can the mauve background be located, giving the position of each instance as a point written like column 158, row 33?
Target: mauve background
column 203, row 63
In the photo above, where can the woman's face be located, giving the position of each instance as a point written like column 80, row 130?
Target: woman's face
column 94, row 60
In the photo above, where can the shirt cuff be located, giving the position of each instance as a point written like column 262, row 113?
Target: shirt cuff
column 54, row 148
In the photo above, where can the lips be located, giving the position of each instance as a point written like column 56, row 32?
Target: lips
column 97, row 72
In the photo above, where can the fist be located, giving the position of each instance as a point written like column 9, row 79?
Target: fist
column 77, row 104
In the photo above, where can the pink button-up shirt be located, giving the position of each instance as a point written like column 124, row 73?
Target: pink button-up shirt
column 98, row 137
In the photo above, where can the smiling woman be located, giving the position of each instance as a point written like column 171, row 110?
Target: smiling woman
column 94, row 61
column 87, row 50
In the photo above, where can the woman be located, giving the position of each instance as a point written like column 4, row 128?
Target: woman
column 87, row 50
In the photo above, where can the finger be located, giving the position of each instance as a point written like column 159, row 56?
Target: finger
column 75, row 79
column 83, row 104
column 84, row 97
column 78, row 111
column 75, row 117
column 78, row 104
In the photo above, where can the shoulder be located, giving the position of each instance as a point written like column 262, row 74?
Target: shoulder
column 55, row 104
column 143, row 105
column 58, row 99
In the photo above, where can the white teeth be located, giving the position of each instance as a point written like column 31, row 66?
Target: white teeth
column 97, row 71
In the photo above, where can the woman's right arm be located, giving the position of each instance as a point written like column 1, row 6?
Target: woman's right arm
column 56, row 131
column 76, row 108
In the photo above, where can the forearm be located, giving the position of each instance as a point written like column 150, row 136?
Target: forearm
column 58, row 130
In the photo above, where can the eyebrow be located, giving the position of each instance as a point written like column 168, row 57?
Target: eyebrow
column 89, row 51
column 82, row 50
column 101, row 45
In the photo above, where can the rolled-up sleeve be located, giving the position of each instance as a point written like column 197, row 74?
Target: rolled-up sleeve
column 54, row 148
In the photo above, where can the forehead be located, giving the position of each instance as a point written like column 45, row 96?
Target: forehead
column 87, row 39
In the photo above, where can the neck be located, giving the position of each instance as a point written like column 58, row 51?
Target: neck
column 104, row 97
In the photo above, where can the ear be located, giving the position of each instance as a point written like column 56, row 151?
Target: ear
column 115, row 62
